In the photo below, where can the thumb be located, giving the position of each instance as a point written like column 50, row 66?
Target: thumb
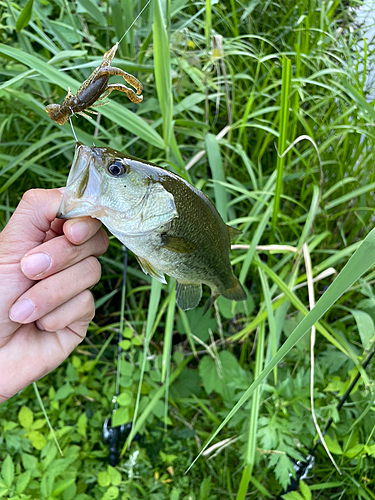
column 30, row 222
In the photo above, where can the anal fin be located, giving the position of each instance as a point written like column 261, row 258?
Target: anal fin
column 148, row 268
column 210, row 302
column 188, row 295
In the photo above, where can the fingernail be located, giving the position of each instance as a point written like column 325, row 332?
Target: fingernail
column 79, row 231
column 21, row 310
column 40, row 326
column 35, row 264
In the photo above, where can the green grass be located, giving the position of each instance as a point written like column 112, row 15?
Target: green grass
column 242, row 371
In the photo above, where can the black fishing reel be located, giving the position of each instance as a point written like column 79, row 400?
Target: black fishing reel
column 303, row 468
column 115, row 438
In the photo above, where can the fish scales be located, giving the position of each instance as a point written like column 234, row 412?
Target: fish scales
column 199, row 220
column 169, row 225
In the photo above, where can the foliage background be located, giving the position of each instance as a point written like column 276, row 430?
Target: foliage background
column 232, row 83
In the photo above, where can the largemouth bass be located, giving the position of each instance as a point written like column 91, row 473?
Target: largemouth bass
column 169, row 225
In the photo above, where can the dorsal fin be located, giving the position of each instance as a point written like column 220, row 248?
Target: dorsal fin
column 233, row 232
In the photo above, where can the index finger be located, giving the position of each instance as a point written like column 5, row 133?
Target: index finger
column 32, row 219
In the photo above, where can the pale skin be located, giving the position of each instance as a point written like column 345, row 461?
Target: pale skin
column 44, row 314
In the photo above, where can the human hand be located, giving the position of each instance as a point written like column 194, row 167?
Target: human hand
column 47, row 266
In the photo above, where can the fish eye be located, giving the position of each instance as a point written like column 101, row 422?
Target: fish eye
column 116, row 168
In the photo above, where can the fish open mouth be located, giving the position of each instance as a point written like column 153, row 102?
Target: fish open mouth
column 84, row 181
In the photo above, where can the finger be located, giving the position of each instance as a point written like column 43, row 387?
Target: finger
column 80, row 229
column 32, row 353
column 77, row 230
column 56, row 229
column 59, row 253
column 31, row 221
column 52, row 292
column 79, row 308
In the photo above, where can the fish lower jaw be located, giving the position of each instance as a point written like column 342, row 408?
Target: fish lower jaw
column 74, row 207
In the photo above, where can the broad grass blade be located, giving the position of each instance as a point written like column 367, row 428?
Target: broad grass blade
column 163, row 71
column 283, row 127
column 91, row 8
column 168, row 333
column 272, row 337
column 254, row 412
column 25, row 16
column 358, row 98
column 254, row 242
column 217, row 170
column 152, row 311
column 158, row 395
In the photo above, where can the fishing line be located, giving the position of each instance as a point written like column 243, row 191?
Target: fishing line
column 140, row 12
column 135, row 20
column 71, row 125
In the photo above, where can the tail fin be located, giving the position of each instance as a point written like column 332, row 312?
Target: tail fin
column 235, row 292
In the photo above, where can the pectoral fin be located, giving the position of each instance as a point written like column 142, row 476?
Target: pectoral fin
column 148, row 268
column 188, row 295
column 177, row 244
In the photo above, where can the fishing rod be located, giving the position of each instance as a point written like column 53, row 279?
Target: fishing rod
column 303, row 467
column 114, row 436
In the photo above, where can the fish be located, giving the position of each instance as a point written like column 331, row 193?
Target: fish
column 171, row 227
column 95, row 88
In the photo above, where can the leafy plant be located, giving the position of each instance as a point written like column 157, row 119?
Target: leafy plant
column 228, row 87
